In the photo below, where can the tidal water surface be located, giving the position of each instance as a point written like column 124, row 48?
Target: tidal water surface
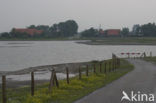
column 17, row 55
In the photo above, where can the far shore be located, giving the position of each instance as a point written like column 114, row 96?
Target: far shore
column 115, row 43
column 121, row 41
column 96, row 40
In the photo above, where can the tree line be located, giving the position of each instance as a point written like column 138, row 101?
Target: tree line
column 69, row 28
column 145, row 30
column 63, row 29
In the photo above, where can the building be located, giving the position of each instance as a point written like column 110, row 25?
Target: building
column 112, row 32
column 30, row 32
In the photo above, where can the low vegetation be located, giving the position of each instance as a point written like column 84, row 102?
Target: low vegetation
column 67, row 93
column 123, row 41
column 151, row 59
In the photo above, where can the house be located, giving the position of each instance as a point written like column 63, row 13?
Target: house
column 112, row 32
column 30, row 32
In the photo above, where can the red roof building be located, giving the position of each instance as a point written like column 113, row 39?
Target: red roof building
column 28, row 31
column 113, row 32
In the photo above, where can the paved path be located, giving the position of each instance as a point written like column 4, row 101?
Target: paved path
column 142, row 78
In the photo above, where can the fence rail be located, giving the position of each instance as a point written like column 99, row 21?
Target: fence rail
column 112, row 66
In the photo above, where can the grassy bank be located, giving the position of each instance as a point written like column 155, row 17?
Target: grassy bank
column 67, row 93
column 150, row 59
column 123, row 41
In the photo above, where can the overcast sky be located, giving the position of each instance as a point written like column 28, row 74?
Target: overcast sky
column 87, row 13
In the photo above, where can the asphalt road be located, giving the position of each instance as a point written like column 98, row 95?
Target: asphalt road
column 142, row 79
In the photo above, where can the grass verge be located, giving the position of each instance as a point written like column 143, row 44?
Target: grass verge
column 151, row 59
column 67, row 93
column 122, row 41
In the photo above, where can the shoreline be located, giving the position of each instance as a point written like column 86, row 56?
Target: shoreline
column 58, row 68
column 116, row 43
column 21, row 78
column 103, row 41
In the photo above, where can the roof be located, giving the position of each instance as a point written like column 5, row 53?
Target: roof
column 113, row 31
column 28, row 31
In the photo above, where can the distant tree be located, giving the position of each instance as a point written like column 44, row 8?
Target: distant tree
column 5, row 34
column 136, row 30
column 64, row 29
column 125, row 31
column 54, row 31
column 45, row 29
column 68, row 28
column 149, row 29
column 42, row 27
column 20, row 35
column 90, row 33
column 31, row 27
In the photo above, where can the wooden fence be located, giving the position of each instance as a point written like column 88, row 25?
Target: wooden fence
column 112, row 66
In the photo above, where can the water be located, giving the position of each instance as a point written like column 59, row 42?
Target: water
column 43, row 76
column 17, row 55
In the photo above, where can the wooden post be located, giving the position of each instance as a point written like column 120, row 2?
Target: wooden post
column 4, row 98
column 67, row 71
column 53, row 80
column 87, row 70
column 113, row 58
column 128, row 55
column 32, row 84
column 94, row 68
column 79, row 72
column 113, row 64
column 105, row 67
column 110, row 66
column 100, row 67
column 150, row 54
column 119, row 62
column 144, row 55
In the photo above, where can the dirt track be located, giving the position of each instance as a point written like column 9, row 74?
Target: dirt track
column 142, row 78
